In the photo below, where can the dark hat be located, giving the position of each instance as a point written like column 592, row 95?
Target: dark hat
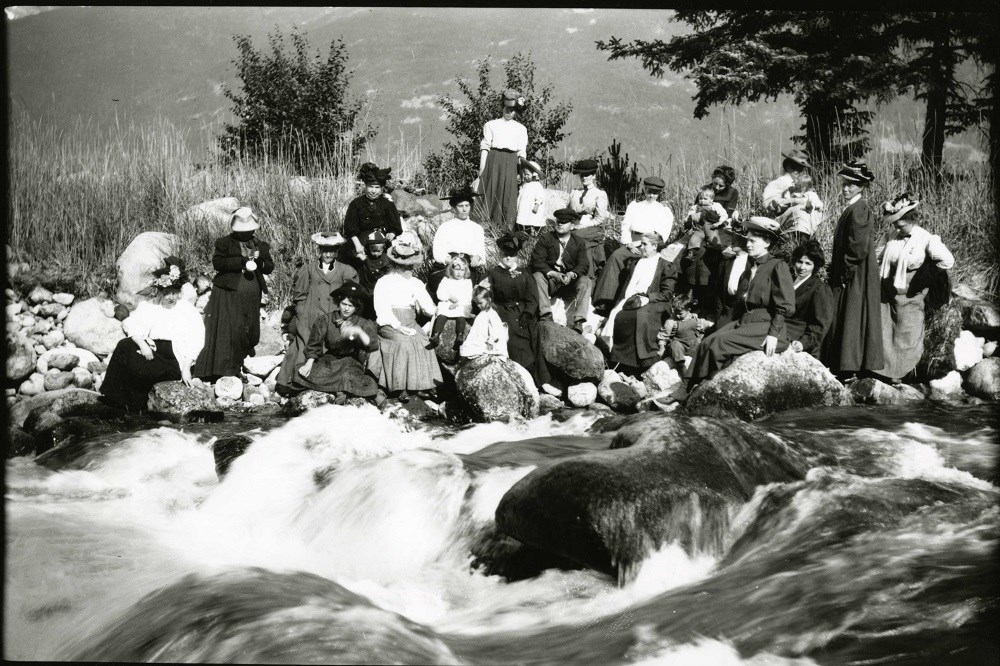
column 798, row 156
column 856, row 171
column 585, row 167
column 459, row 194
column 370, row 173
column 375, row 238
column 510, row 95
column 564, row 215
column 510, row 243
column 170, row 275
column 349, row 289
column 653, row 183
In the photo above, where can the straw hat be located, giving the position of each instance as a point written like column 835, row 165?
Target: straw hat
column 798, row 156
column 900, row 205
column 764, row 225
column 856, row 171
column 405, row 250
column 328, row 238
column 243, row 219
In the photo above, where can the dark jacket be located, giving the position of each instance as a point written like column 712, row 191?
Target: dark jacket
column 365, row 215
column 814, row 312
column 229, row 262
column 546, row 253
column 770, row 290
column 642, row 342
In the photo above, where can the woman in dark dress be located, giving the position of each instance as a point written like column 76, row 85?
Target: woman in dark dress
column 767, row 298
column 515, row 299
column 854, row 343
column 369, row 212
column 813, row 301
column 338, row 349
column 232, row 316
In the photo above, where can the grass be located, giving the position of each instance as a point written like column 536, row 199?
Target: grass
column 78, row 198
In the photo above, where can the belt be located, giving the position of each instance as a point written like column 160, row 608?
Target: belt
column 504, row 150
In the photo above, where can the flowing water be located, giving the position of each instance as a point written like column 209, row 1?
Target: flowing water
column 341, row 537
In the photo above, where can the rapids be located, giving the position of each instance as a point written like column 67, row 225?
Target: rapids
column 342, row 537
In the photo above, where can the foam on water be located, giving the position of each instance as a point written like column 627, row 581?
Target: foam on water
column 701, row 652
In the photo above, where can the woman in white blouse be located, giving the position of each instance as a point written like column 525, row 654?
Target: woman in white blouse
column 406, row 365
column 907, row 265
column 165, row 336
column 504, row 141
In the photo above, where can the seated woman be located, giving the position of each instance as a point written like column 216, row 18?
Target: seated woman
column 407, row 365
column 457, row 237
column 813, row 301
column 766, row 298
column 165, row 337
column 642, row 303
column 338, row 348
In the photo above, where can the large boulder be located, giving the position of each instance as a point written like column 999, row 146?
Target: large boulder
column 411, row 205
column 665, row 479
column 870, row 391
column 21, row 359
column 212, row 215
column 981, row 317
column 756, row 385
column 53, row 401
column 137, row 262
column 570, row 352
column 984, row 379
column 91, row 324
column 495, row 388
column 175, row 399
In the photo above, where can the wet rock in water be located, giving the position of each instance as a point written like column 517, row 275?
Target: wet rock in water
column 40, row 420
column 307, row 400
column 983, row 380
column 57, row 402
column 581, row 395
column 63, row 298
column 665, row 478
column 228, row 449
column 229, row 387
column 21, row 358
column 262, row 365
column 90, row 324
column 496, row 554
column 495, row 388
column 755, row 386
column 173, row 398
column 940, row 333
column 548, row 403
column 58, row 379
column 870, row 391
column 968, row 350
column 40, row 295
column 947, row 387
column 617, row 393
column 570, row 352
column 63, row 361
column 19, row 443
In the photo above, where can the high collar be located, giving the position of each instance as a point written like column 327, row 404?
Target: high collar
column 762, row 258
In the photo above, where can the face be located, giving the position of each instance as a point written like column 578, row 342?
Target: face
column 508, row 109
column 652, row 194
column 850, row 189
column 647, row 247
column 509, row 261
column 804, row 266
column 590, row 180
column 526, row 175
column 757, row 244
column 327, row 255
column 458, row 270
column 904, row 226
column 243, row 235
column 169, row 299
column 347, row 308
column 705, row 198
column 483, row 303
column 719, row 183
column 462, row 210
column 373, row 190
column 563, row 228
column 375, row 249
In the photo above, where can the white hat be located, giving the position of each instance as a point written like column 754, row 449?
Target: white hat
column 328, row 238
column 243, row 219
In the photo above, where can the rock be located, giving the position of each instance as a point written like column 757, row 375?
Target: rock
column 175, row 399
column 256, row 400
column 664, row 479
column 229, row 387
column 137, row 262
column 942, row 329
column 966, row 292
column 445, row 350
column 62, row 315
column 308, row 400
column 254, row 380
column 41, row 328
column 410, row 205
column 983, row 381
column 58, row 379
column 570, row 352
column 53, row 339
column 981, row 316
column 661, row 402
column 582, row 395
column 50, row 309
column 83, row 358
column 21, row 358
column 63, row 299
column 228, row 449
column 495, row 388
column 14, row 309
column 261, row 366
column 271, row 343
column 968, row 350
column 40, row 295
column 39, row 349
column 616, row 393
column 600, row 408
column 869, row 391
column 90, row 327
column 548, row 403
column 662, row 376
column 947, row 387
column 97, row 367
column 63, row 360
column 53, row 401
column 990, row 348
column 27, row 321
column 212, row 216
column 755, row 386
column 82, row 378
column 33, row 385
column 19, row 443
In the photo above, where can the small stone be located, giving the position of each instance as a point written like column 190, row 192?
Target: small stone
column 63, row 361
column 661, row 376
column 262, row 366
column 40, row 349
column 256, row 400
column 41, row 327
column 97, row 367
column 62, row 315
column 121, row 312
column 968, row 350
column 582, row 395
column 50, row 309
column 40, row 295
column 58, row 379
column 946, row 387
column 983, row 380
column 10, row 391
column 229, row 388
column 254, row 380
column 989, row 349
column 82, row 378
column 14, row 309
column 27, row 321
column 63, row 298
column 548, row 403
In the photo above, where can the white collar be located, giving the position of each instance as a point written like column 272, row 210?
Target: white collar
column 853, row 200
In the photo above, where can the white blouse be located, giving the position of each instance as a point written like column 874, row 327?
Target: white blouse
column 506, row 134
column 462, row 236
column 594, row 206
column 716, row 208
column 459, row 289
column 777, row 187
column 488, row 335
column 181, row 325
column 643, row 217
column 396, row 291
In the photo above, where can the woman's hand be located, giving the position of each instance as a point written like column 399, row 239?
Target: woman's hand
column 453, row 299
column 186, row 377
column 770, row 344
column 796, row 346
column 146, row 348
column 360, row 254
column 406, row 330
column 306, row 368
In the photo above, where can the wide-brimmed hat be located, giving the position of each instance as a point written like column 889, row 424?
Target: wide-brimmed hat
column 243, row 219
column 459, row 194
column 653, row 183
column 529, row 164
column 510, row 243
column 370, row 173
column 170, row 275
column 798, row 156
column 375, row 238
column 856, row 171
column 511, row 95
column 764, row 225
column 405, row 250
column 585, row 167
column 564, row 215
column 900, row 205
column 349, row 289
column 328, row 238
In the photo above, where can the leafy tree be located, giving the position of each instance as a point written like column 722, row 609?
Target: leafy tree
column 293, row 105
column 458, row 162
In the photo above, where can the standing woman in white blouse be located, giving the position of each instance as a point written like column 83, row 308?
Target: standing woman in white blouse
column 905, row 262
column 165, row 337
column 504, row 141
column 407, row 366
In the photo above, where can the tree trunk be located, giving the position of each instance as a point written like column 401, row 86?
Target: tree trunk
column 821, row 121
column 939, row 77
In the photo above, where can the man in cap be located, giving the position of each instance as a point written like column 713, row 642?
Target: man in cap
column 560, row 265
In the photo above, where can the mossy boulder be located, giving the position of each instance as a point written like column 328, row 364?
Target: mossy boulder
column 495, row 388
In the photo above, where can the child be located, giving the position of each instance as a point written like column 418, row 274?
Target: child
column 804, row 214
column 706, row 217
column 454, row 301
column 530, row 200
column 488, row 334
column 682, row 333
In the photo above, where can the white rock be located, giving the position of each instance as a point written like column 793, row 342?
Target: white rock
column 40, row 295
column 989, row 349
column 254, row 380
column 62, row 315
column 82, row 378
column 946, row 387
column 968, row 350
column 13, row 309
column 137, row 262
column 42, row 364
column 53, row 339
column 63, row 298
column 213, row 215
column 91, row 326
column 582, row 395
column 85, row 357
column 229, row 387
column 40, row 349
column 33, row 385
column 256, row 400
column 27, row 321
column 262, row 366
column 660, row 377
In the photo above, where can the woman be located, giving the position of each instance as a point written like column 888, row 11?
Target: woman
column 368, row 212
column 164, row 338
column 813, row 301
column 504, row 141
column 515, row 299
column 854, row 343
column 766, row 299
column 726, row 193
column 640, row 306
column 910, row 249
column 339, row 344
column 792, row 164
column 591, row 203
column 232, row 316
column 407, row 365
column 459, row 236
column 311, row 297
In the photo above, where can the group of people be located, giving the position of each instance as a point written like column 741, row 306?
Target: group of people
column 362, row 324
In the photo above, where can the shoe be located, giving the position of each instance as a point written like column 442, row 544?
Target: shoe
column 432, row 343
column 546, row 317
column 578, row 327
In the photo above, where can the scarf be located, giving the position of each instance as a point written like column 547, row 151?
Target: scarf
column 739, row 265
column 906, row 252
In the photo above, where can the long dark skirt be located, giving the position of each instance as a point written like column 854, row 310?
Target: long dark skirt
column 731, row 341
column 130, row 377
column 524, row 342
column 338, row 373
column 498, row 190
column 232, row 330
column 633, row 339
